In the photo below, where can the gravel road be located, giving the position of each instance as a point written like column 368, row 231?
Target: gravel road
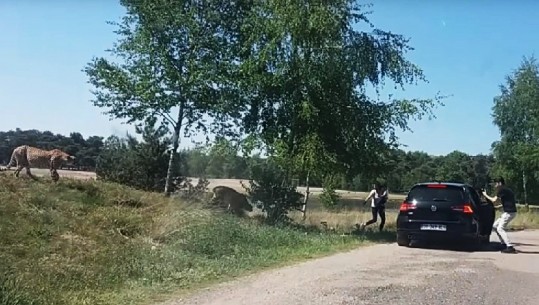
column 388, row 274
column 385, row 274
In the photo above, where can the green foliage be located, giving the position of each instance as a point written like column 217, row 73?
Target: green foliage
column 401, row 170
column 142, row 165
column 171, row 51
column 516, row 113
column 224, row 161
column 306, row 76
column 456, row 167
column 278, row 82
column 270, row 190
column 189, row 192
column 196, row 162
column 175, row 57
column 329, row 196
column 221, row 160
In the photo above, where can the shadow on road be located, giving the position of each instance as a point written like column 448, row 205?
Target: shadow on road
column 376, row 236
column 527, row 252
column 491, row 247
column 524, row 244
column 458, row 247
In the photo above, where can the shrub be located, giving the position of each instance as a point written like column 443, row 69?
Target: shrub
column 142, row 165
column 270, row 191
column 190, row 192
column 329, row 196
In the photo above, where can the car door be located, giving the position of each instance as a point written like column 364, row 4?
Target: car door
column 474, row 198
column 485, row 211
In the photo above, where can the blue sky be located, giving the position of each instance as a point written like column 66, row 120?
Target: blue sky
column 466, row 48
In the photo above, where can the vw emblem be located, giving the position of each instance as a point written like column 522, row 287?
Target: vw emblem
column 433, row 208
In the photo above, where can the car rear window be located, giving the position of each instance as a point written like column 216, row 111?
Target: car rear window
column 447, row 194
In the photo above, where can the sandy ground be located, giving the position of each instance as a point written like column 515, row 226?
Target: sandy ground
column 233, row 183
column 40, row 172
column 236, row 184
column 388, row 274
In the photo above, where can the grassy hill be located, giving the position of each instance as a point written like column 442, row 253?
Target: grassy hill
column 88, row 242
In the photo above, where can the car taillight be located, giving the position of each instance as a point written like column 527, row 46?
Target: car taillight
column 466, row 208
column 406, row 206
column 437, row 186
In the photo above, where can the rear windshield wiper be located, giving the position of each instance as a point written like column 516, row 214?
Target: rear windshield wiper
column 438, row 199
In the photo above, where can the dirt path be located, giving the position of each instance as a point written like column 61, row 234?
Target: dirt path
column 388, row 274
column 41, row 172
column 236, row 184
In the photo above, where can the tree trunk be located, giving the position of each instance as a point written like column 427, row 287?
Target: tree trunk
column 306, row 198
column 524, row 182
column 175, row 145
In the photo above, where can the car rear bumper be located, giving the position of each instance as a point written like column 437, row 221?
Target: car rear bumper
column 437, row 236
column 454, row 230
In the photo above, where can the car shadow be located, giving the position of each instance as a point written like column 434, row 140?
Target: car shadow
column 491, row 247
column 457, row 247
column 375, row 236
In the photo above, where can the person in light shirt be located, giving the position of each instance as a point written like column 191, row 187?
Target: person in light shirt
column 378, row 196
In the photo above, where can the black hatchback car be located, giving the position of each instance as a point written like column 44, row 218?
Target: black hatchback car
column 444, row 211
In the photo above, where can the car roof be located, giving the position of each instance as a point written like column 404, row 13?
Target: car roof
column 456, row 184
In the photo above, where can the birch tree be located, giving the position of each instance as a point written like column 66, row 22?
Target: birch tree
column 174, row 59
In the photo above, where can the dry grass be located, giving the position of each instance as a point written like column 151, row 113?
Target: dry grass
column 351, row 212
column 526, row 218
column 344, row 221
column 314, row 191
column 89, row 242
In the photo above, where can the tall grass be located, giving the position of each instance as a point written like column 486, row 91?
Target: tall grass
column 87, row 242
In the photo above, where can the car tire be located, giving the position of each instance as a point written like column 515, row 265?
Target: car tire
column 475, row 244
column 403, row 240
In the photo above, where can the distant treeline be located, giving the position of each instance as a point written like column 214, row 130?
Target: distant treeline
column 85, row 150
column 404, row 169
column 221, row 161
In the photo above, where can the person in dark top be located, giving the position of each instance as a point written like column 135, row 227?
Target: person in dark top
column 507, row 200
column 379, row 197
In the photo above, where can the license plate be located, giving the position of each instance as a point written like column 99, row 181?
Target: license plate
column 433, row 228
